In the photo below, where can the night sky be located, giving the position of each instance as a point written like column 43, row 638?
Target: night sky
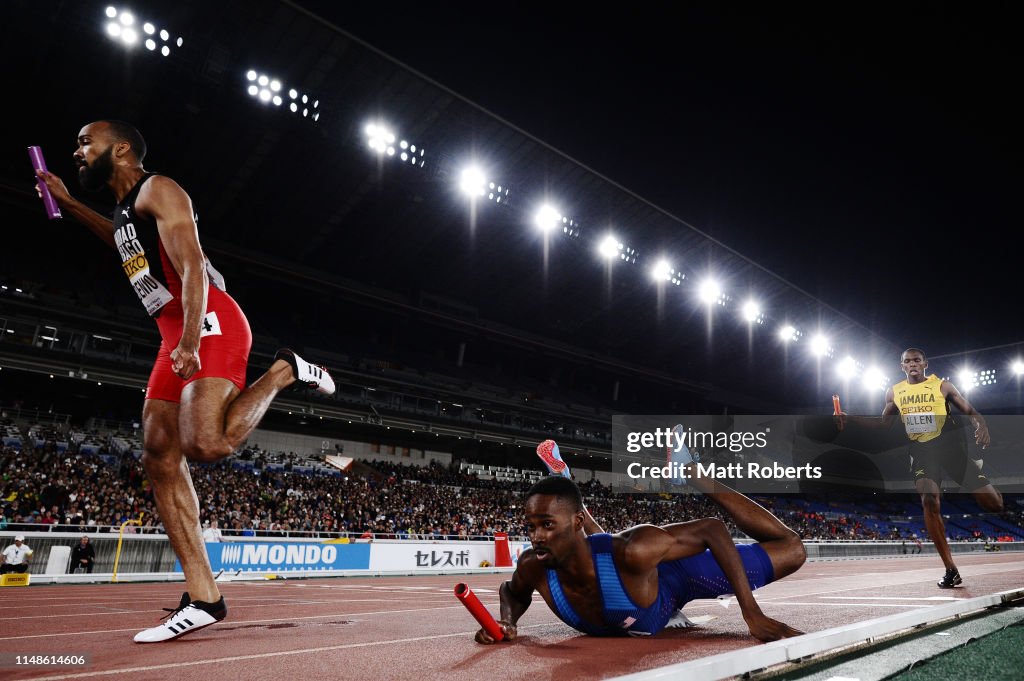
column 871, row 157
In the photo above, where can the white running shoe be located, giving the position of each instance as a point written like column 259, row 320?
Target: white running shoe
column 314, row 376
column 189, row 616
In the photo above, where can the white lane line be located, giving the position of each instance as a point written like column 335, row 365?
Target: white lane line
column 266, row 621
column 107, row 611
column 863, row 605
column 896, row 598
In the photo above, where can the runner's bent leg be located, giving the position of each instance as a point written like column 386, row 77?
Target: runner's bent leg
column 216, row 418
column 783, row 545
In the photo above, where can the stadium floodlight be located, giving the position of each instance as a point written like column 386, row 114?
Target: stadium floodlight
column 874, row 379
column 547, row 218
column 664, row 272
column 967, row 379
column 1017, row 367
column 820, row 346
column 268, row 88
column 847, row 368
column 472, row 182
column 610, row 247
column 987, row 377
column 789, row 333
column 495, row 192
column 124, row 26
column 710, row 293
column 751, row 312
column 383, row 140
column 380, row 137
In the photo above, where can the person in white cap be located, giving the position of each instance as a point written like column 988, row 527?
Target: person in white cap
column 15, row 557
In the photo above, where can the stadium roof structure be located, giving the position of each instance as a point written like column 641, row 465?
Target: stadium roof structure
column 310, row 206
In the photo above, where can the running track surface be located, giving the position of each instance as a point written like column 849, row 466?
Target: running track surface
column 414, row 628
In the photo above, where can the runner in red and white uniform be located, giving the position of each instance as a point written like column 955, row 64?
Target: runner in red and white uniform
column 197, row 406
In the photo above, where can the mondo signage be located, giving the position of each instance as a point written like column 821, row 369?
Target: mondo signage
column 265, row 556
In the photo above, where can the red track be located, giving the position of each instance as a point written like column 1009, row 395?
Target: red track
column 414, row 628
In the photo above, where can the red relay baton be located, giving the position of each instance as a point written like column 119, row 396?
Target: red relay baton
column 478, row 611
column 837, row 410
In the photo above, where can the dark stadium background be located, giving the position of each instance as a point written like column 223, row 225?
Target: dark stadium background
column 856, row 170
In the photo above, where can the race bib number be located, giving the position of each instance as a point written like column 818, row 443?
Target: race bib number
column 211, row 325
column 920, row 423
column 151, row 292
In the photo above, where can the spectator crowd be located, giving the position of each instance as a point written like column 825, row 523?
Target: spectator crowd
column 43, row 488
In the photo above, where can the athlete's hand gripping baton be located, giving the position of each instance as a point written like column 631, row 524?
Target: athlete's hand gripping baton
column 52, row 211
column 478, row 611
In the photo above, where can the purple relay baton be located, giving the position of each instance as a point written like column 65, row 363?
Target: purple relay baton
column 52, row 211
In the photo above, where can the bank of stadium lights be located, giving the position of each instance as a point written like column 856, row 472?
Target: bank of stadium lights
column 710, row 293
column 548, row 218
column 847, row 368
column 611, row 248
column 752, row 313
column 383, row 140
column 664, row 272
column 473, row 183
column 497, row 193
column 1017, row 367
column 820, row 346
column 125, row 28
column 789, row 333
column 968, row 379
column 874, row 379
column 270, row 90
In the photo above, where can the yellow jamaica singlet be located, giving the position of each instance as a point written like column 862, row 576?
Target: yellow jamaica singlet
column 922, row 407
